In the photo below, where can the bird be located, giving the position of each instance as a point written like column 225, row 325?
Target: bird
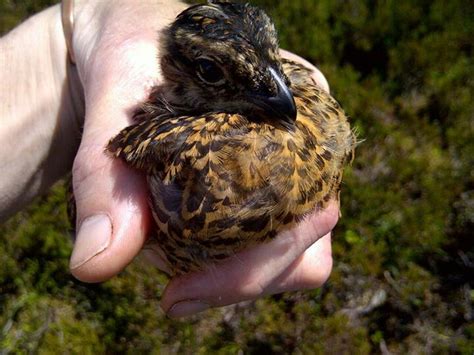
column 237, row 143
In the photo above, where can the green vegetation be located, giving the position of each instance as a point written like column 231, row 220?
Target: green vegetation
column 404, row 249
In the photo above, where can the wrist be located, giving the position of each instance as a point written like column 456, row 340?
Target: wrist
column 39, row 110
column 66, row 79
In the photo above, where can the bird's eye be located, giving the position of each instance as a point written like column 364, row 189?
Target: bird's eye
column 209, row 72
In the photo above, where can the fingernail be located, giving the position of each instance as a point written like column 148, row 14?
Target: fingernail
column 187, row 308
column 157, row 260
column 92, row 239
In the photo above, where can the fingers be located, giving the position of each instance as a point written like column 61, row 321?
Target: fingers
column 311, row 270
column 318, row 77
column 269, row 268
column 156, row 256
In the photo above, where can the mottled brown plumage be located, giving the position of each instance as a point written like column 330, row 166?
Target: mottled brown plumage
column 229, row 162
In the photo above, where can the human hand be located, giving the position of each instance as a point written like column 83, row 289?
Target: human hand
column 115, row 47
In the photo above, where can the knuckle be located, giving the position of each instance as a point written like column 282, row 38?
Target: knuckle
column 317, row 273
column 88, row 162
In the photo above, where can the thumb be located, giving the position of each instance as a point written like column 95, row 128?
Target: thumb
column 112, row 216
column 116, row 52
column 111, row 199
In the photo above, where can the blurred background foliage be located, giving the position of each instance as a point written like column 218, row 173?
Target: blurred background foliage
column 403, row 251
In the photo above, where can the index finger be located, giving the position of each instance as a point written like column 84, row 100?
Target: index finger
column 318, row 76
column 248, row 274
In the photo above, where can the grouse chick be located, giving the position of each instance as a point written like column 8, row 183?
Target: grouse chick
column 237, row 144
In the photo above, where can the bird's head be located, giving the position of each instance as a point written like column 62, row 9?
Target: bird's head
column 224, row 57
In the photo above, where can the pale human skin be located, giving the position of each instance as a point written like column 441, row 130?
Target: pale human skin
column 45, row 101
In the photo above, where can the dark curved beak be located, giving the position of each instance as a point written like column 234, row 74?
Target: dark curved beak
column 281, row 107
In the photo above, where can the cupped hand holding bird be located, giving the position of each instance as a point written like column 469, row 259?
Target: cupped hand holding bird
column 115, row 46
